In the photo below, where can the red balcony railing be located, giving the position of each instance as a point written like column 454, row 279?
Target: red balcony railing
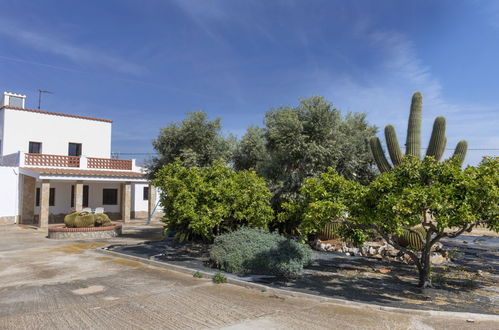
column 109, row 163
column 51, row 160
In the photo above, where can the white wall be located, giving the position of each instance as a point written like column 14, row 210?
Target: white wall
column 9, row 191
column 139, row 204
column 1, row 132
column 55, row 132
column 63, row 196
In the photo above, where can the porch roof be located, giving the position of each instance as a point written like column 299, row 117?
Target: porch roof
column 70, row 173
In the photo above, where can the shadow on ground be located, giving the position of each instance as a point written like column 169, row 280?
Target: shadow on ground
column 469, row 284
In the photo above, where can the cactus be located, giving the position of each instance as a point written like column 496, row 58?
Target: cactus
column 436, row 146
column 69, row 220
column 441, row 151
column 393, row 145
column 84, row 220
column 413, row 140
column 460, row 151
column 102, row 220
column 412, row 240
column 379, row 154
column 437, row 139
column 329, row 231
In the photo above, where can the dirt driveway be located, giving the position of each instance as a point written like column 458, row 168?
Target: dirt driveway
column 67, row 285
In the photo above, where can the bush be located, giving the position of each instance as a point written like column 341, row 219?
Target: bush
column 255, row 251
column 219, row 278
column 200, row 203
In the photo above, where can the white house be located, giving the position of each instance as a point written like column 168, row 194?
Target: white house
column 52, row 163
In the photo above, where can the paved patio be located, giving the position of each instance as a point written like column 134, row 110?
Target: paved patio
column 66, row 284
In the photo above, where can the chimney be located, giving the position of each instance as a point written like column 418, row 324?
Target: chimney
column 13, row 100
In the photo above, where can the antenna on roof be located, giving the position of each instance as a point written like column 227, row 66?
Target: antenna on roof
column 40, row 91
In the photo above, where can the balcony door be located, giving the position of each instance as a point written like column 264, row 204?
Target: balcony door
column 74, row 149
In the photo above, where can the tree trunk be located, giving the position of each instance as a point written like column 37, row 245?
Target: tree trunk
column 424, row 277
column 425, row 270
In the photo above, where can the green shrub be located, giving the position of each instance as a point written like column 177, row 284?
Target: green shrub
column 200, row 203
column 219, row 278
column 198, row 275
column 255, row 251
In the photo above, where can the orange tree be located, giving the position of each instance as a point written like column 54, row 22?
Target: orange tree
column 200, row 203
column 441, row 197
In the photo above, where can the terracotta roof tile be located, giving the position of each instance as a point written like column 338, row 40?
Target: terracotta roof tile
column 79, row 172
column 55, row 113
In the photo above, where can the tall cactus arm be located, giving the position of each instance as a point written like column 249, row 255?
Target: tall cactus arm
column 437, row 137
column 393, row 145
column 413, row 141
column 379, row 155
column 441, row 151
column 460, row 151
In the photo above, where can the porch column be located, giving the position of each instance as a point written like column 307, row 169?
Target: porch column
column 151, row 200
column 79, row 196
column 126, row 201
column 44, row 204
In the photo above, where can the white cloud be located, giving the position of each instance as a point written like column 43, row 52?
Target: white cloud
column 77, row 53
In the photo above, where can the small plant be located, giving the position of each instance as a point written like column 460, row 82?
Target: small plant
column 197, row 275
column 219, row 278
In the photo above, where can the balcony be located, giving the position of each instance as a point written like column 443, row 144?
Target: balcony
column 44, row 160
column 51, row 160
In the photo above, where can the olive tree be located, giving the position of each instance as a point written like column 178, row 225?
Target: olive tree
column 196, row 141
column 299, row 142
column 441, row 198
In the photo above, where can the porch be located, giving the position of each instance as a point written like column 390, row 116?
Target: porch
column 48, row 194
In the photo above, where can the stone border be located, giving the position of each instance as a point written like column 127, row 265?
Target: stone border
column 61, row 232
column 321, row 299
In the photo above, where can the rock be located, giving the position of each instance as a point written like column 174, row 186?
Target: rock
column 437, row 247
column 437, row 258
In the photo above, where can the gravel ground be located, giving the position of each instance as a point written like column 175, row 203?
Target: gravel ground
column 468, row 284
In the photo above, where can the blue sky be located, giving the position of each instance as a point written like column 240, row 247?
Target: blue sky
column 145, row 64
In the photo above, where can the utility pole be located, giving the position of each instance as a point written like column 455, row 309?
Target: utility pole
column 40, row 91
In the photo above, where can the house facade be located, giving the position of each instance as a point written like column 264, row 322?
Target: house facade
column 54, row 163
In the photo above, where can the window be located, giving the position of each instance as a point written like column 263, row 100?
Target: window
column 145, row 193
column 110, row 197
column 16, row 101
column 74, row 149
column 35, row 147
column 85, row 196
column 51, row 197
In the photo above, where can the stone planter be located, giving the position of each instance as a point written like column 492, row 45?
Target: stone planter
column 62, row 232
